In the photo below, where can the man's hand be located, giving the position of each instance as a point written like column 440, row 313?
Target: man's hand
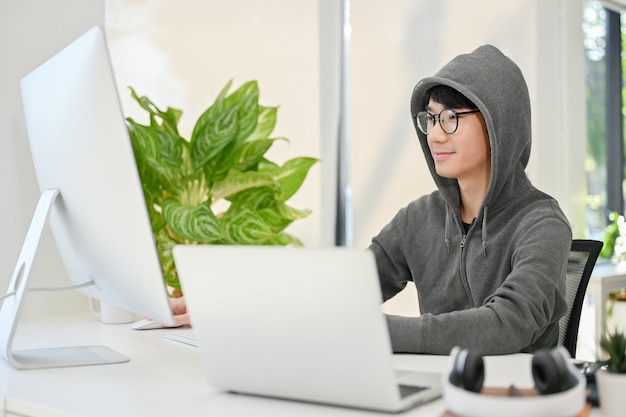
column 179, row 308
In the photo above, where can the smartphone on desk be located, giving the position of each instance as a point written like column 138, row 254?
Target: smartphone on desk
column 589, row 369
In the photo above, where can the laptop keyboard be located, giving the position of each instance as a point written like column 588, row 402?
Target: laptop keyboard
column 406, row 390
column 182, row 335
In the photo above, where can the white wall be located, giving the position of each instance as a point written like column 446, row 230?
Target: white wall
column 30, row 32
column 182, row 53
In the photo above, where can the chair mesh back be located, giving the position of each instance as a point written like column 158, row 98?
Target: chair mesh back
column 582, row 259
column 575, row 268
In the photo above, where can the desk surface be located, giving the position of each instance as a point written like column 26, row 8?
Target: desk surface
column 165, row 378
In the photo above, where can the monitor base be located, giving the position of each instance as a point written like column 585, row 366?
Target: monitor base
column 65, row 357
column 12, row 306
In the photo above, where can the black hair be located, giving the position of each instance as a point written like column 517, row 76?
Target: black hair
column 448, row 97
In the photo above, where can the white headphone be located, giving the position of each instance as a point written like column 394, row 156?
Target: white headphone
column 560, row 385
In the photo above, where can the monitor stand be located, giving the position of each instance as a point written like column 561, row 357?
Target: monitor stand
column 12, row 304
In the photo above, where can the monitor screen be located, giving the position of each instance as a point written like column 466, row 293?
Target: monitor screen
column 81, row 147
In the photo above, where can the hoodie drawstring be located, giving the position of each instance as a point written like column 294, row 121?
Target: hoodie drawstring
column 484, row 231
column 446, row 237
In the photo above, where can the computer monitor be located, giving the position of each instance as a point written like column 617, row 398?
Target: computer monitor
column 91, row 197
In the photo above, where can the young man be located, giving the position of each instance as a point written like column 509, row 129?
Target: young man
column 487, row 251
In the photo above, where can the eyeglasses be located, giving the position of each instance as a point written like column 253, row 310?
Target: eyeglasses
column 448, row 119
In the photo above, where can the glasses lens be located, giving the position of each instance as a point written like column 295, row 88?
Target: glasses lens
column 449, row 121
column 425, row 121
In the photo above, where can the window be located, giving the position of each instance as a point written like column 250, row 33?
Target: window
column 605, row 40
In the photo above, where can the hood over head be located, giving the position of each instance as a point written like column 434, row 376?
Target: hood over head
column 495, row 84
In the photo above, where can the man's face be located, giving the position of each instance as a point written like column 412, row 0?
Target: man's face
column 464, row 154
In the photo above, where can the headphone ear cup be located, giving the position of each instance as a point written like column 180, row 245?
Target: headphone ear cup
column 551, row 373
column 468, row 371
column 474, row 373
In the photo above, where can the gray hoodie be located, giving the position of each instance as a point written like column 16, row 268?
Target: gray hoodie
column 502, row 289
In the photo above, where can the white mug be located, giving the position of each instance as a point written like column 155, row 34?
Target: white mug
column 110, row 314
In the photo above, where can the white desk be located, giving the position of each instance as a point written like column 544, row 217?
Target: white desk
column 165, row 378
column 606, row 278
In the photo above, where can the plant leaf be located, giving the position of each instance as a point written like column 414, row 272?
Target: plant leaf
column 158, row 154
column 280, row 215
column 291, row 175
column 284, row 239
column 229, row 119
column 195, row 224
column 169, row 118
column 240, row 156
column 153, row 200
column 217, row 129
column 615, row 346
column 245, row 226
column 165, row 244
column 246, row 100
column 237, row 181
column 265, row 123
column 249, row 154
column 257, row 197
column 203, row 125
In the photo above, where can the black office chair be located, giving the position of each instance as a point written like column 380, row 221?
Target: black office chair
column 582, row 259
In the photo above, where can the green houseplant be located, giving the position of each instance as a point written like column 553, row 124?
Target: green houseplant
column 217, row 187
column 612, row 235
column 612, row 381
column 614, row 344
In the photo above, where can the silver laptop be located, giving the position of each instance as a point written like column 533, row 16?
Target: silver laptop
column 294, row 323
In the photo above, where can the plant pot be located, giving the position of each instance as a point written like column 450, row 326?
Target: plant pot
column 611, row 389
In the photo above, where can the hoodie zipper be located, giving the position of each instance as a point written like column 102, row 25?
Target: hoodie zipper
column 463, row 272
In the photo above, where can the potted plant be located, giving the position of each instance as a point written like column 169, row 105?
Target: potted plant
column 218, row 187
column 612, row 380
column 614, row 248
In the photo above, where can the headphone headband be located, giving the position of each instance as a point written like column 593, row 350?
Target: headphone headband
column 565, row 402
